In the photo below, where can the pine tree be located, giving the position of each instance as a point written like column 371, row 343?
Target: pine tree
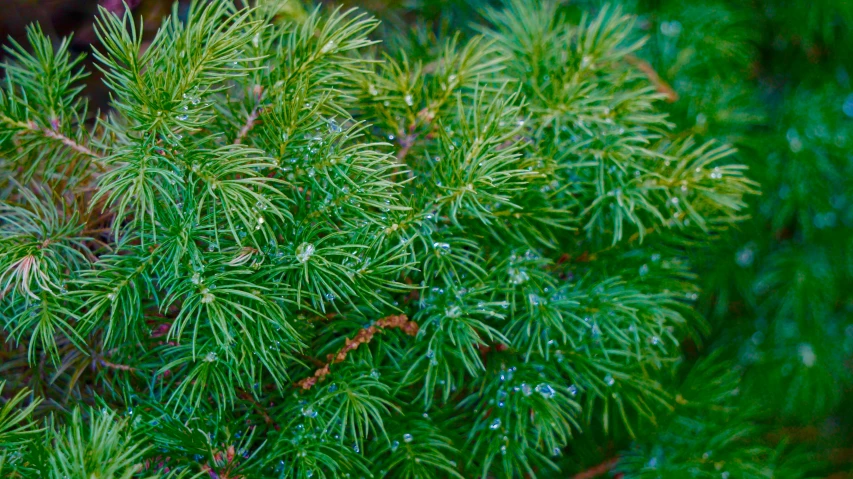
column 290, row 250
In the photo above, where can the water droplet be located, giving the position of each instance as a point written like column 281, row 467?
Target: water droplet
column 396, row 444
column 671, row 29
column 745, row 256
column 535, row 299
column 644, row 270
column 518, row 276
column 206, row 297
column 330, row 296
column 441, row 248
column 847, row 108
column 608, row 380
column 573, row 390
column 407, row 437
column 374, row 374
column 333, row 126
column 495, row 424
column 794, row 141
column 716, row 174
column 546, row 391
column 304, row 252
column 210, row 357
column 807, row 354
column 182, row 117
column 409, row 100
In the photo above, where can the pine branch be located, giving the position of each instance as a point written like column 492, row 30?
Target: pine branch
column 364, row 336
column 66, row 141
column 33, row 127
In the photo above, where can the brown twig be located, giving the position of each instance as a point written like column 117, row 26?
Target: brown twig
column 408, row 138
column 260, row 408
column 659, row 83
column 217, row 472
column 400, row 321
column 598, row 470
column 313, row 360
column 406, row 143
column 252, row 118
column 250, row 123
column 54, row 135
column 70, row 143
column 111, row 365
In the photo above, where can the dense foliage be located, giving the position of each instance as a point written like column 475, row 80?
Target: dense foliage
column 290, row 250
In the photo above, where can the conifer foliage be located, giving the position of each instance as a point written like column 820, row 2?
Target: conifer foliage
column 288, row 250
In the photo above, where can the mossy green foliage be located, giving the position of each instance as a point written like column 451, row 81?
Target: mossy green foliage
column 292, row 250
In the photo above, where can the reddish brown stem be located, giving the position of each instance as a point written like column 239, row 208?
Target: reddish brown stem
column 260, row 408
column 252, row 118
column 55, row 135
column 250, row 123
column 111, row 365
column 660, row 85
column 363, row 336
column 598, row 470
column 406, row 143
